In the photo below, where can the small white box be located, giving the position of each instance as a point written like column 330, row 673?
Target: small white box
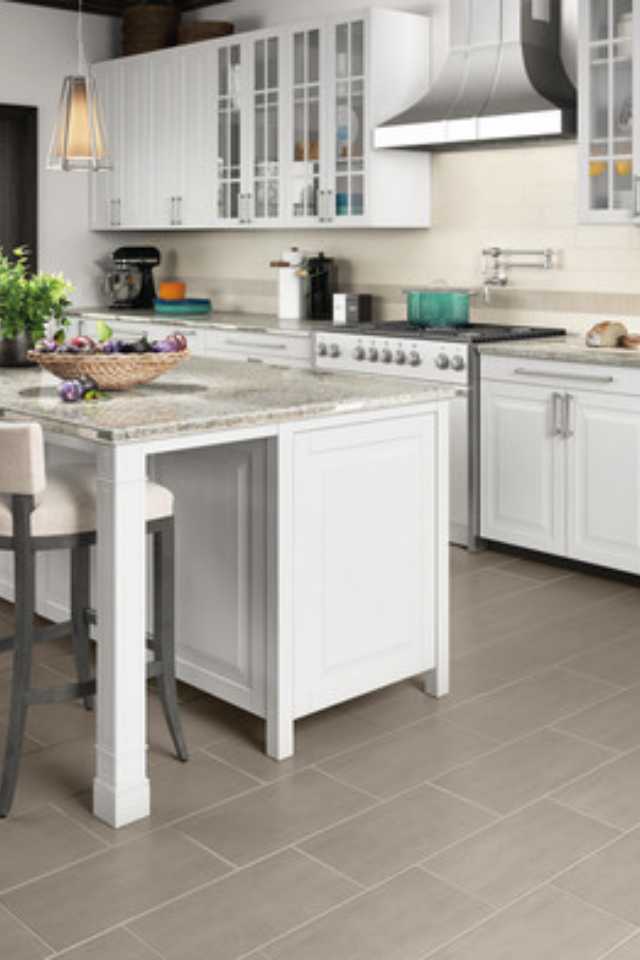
column 340, row 309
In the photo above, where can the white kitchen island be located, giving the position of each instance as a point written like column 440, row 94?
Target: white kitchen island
column 346, row 514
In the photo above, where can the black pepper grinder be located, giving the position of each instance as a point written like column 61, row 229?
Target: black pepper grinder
column 323, row 283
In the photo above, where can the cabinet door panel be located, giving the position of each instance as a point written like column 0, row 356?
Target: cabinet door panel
column 231, row 125
column 138, row 159
column 364, row 556
column 306, row 148
column 266, row 128
column 221, row 619
column 604, row 481
column 347, row 201
column 106, row 189
column 607, row 81
column 522, row 468
column 168, row 99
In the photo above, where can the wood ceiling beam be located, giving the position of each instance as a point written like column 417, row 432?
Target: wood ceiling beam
column 110, row 8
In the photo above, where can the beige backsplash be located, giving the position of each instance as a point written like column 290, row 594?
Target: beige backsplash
column 520, row 197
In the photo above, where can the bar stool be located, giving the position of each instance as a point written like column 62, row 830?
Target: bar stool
column 40, row 512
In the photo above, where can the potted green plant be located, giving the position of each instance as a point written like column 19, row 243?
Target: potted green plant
column 28, row 303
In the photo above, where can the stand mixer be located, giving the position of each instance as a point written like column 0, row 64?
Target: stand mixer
column 130, row 283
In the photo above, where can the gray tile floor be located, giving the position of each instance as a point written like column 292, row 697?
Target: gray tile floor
column 502, row 822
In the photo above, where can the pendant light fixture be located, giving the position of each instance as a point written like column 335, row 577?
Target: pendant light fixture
column 78, row 141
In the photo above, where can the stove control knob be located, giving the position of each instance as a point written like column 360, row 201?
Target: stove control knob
column 322, row 350
column 442, row 361
column 457, row 363
column 414, row 359
column 400, row 357
column 386, row 356
column 359, row 353
column 334, row 350
column 373, row 355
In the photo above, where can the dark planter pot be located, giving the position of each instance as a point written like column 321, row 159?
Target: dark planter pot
column 13, row 353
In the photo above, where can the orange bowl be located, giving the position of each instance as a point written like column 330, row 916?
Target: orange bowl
column 172, row 290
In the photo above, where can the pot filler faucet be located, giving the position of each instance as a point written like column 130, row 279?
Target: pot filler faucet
column 497, row 260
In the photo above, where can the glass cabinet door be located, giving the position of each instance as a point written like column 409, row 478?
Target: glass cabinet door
column 229, row 121
column 609, row 115
column 349, row 120
column 306, row 146
column 265, row 195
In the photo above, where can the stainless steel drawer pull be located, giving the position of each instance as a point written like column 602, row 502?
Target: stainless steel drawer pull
column 247, row 345
column 579, row 377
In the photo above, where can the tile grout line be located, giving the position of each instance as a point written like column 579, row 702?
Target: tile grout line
column 79, row 825
column 554, row 622
column 30, row 930
column 329, row 866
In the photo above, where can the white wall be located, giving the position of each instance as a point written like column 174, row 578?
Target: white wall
column 37, row 48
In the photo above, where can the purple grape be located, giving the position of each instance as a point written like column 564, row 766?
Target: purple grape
column 46, row 346
column 71, row 391
column 110, row 346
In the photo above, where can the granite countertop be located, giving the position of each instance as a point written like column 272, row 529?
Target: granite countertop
column 204, row 395
column 570, row 349
column 247, row 322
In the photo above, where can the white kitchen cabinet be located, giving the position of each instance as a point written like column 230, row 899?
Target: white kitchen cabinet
column 609, row 153
column 282, row 349
column 272, row 128
column 105, row 186
column 181, row 140
column 221, row 564
column 249, row 130
column 522, row 467
column 359, row 623
column 345, row 77
column 122, row 198
column 561, row 460
column 603, row 480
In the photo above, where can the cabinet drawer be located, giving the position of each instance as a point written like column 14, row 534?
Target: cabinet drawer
column 551, row 373
column 268, row 347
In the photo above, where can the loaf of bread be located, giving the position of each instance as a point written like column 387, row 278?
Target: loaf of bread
column 631, row 342
column 606, row 334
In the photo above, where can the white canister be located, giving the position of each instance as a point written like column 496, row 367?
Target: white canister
column 291, row 285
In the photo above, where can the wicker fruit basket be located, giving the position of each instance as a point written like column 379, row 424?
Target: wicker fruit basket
column 120, row 371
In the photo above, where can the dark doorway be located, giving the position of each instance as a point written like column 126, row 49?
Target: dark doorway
column 19, row 180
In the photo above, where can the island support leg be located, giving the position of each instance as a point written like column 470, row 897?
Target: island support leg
column 437, row 680
column 280, row 679
column 121, row 787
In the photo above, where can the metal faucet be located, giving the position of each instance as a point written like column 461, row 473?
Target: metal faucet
column 497, row 260
column 494, row 270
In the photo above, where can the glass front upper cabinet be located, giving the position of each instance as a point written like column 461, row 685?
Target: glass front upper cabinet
column 229, row 133
column 606, row 109
column 267, row 107
column 306, row 135
column 347, row 198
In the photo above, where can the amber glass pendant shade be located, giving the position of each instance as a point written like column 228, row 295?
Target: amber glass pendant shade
column 78, row 141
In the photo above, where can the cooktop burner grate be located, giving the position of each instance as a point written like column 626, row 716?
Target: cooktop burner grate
column 470, row 333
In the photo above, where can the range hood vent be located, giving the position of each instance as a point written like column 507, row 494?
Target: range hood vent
column 503, row 80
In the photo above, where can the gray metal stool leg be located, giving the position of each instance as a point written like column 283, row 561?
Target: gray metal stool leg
column 21, row 679
column 164, row 630
column 80, row 601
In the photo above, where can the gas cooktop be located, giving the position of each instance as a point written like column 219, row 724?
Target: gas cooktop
column 470, row 333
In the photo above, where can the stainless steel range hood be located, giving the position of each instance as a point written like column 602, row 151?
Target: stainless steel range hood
column 503, row 80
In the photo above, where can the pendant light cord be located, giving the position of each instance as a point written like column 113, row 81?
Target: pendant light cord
column 82, row 60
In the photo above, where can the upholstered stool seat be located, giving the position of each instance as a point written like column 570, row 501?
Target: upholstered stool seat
column 40, row 512
column 68, row 504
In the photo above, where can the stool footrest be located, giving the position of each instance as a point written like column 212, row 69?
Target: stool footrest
column 54, row 631
column 69, row 691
